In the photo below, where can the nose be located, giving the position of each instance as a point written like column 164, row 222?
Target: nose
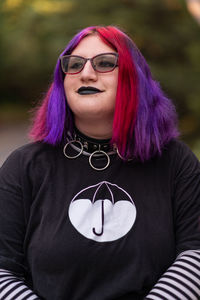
column 88, row 73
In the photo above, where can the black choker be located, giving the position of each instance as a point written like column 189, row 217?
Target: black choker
column 91, row 147
column 91, row 144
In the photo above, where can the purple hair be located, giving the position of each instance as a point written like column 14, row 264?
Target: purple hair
column 145, row 119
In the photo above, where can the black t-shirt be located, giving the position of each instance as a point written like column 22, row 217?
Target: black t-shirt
column 76, row 233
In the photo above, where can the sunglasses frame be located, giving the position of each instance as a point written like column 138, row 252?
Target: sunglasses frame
column 91, row 60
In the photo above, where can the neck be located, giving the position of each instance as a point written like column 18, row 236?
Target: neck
column 91, row 144
column 102, row 130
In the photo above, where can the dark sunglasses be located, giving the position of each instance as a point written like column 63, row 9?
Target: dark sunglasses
column 103, row 63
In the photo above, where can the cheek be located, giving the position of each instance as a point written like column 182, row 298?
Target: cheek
column 68, row 85
column 65, row 82
column 114, row 90
column 68, row 93
column 114, row 82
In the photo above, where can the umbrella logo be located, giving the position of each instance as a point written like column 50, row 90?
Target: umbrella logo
column 103, row 212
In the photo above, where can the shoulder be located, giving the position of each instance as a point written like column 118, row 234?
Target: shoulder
column 182, row 150
column 32, row 149
column 32, row 153
column 28, row 163
column 180, row 158
column 177, row 146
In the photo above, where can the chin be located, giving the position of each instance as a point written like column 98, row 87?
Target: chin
column 96, row 114
column 91, row 114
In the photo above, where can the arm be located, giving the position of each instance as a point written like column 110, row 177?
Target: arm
column 182, row 279
column 13, row 287
column 12, row 232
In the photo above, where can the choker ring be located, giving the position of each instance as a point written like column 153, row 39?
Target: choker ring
column 96, row 152
column 71, row 143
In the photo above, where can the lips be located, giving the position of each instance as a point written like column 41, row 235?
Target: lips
column 88, row 90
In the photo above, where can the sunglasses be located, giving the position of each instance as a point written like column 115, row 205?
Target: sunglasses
column 102, row 63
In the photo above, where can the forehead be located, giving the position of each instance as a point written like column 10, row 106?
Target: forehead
column 90, row 46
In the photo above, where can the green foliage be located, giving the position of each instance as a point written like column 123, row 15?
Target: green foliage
column 34, row 32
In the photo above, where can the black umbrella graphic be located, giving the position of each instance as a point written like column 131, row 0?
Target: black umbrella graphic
column 102, row 212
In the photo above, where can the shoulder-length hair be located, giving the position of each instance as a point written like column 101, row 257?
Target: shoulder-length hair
column 145, row 119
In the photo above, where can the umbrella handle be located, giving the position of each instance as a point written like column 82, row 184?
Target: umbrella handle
column 102, row 219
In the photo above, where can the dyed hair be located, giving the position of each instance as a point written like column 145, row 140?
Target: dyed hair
column 145, row 119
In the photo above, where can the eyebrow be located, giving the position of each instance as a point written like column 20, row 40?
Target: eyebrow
column 93, row 55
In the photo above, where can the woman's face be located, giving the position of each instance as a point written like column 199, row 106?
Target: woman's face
column 95, row 106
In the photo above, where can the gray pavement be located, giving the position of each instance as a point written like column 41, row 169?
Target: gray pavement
column 12, row 137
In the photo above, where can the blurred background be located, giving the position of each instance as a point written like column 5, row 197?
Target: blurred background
column 34, row 32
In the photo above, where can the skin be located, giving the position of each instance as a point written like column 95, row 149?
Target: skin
column 93, row 114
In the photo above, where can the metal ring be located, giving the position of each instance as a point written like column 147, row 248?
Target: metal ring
column 117, row 150
column 120, row 156
column 119, row 153
column 71, row 142
column 95, row 152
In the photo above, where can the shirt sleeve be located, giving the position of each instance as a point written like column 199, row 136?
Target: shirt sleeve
column 12, row 217
column 13, row 287
column 186, row 200
column 182, row 279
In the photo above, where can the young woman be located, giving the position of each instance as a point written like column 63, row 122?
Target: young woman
column 105, row 203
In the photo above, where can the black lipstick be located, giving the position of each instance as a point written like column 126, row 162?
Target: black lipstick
column 88, row 90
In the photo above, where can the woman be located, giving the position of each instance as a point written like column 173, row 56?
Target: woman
column 105, row 203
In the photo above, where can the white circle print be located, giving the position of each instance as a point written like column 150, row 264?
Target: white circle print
column 103, row 212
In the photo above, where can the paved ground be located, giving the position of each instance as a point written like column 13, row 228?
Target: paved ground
column 11, row 137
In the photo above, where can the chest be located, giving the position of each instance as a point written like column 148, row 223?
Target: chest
column 79, row 215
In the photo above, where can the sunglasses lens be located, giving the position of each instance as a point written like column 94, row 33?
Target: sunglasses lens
column 72, row 64
column 105, row 62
